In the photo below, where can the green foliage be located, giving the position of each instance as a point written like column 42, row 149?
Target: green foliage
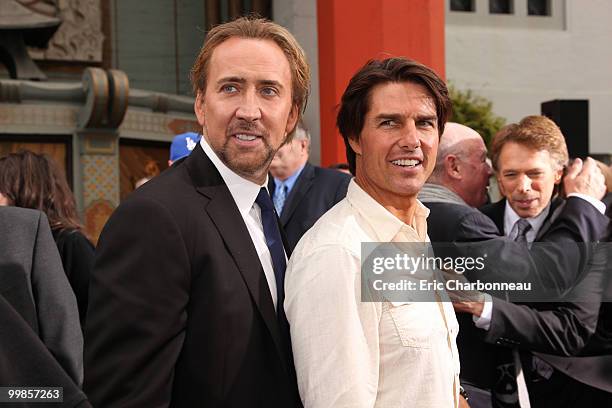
column 476, row 112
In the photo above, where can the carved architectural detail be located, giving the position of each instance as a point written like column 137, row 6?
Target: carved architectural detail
column 145, row 122
column 28, row 117
column 80, row 37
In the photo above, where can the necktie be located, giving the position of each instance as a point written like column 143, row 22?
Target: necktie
column 274, row 243
column 522, row 227
column 280, row 195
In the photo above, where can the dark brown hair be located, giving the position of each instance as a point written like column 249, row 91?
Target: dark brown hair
column 355, row 102
column 31, row 180
column 259, row 29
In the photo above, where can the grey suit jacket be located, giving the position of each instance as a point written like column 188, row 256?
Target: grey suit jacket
column 33, row 282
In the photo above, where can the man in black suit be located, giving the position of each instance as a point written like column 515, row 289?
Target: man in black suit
column 33, row 282
column 302, row 192
column 26, row 361
column 460, row 178
column 528, row 162
column 186, row 298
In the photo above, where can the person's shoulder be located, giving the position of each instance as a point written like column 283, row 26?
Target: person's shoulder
column 172, row 188
column 21, row 213
column 73, row 237
column 494, row 209
column 332, row 175
column 22, row 217
column 453, row 210
column 338, row 227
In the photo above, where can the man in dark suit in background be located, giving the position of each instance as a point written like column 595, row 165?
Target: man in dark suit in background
column 33, row 282
column 457, row 185
column 186, row 298
column 302, row 192
column 529, row 160
column 26, row 361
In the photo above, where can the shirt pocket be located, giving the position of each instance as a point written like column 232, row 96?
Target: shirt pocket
column 414, row 323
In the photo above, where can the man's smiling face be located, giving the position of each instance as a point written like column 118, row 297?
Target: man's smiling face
column 246, row 111
column 397, row 147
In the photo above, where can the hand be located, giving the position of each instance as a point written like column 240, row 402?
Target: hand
column 474, row 308
column 585, row 178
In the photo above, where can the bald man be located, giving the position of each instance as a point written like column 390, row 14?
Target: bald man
column 461, row 166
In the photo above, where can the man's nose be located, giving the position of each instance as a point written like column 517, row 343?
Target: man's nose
column 249, row 108
column 410, row 137
column 524, row 184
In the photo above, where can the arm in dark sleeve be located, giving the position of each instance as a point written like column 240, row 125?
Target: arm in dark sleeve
column 563, row 330
column 554, row 265
column 81, row 253
column 58, row 318
column 136, row 317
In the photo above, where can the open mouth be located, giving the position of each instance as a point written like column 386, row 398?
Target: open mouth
column 245, row 137
column 406, row 162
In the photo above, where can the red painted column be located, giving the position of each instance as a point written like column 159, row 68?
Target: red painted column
column 351, row 32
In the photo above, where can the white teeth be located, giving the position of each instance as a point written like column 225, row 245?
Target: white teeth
column 247, row 138
column 409, row 163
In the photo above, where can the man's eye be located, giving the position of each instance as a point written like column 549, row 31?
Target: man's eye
column 426, row 123
column 388, row 123
column 268, row 91
column 229, row 89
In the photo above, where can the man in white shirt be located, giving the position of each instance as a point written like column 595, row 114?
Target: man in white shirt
column 352, row 353
column 187, row 291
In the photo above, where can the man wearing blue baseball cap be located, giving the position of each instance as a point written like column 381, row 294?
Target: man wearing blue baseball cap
column 182, row 145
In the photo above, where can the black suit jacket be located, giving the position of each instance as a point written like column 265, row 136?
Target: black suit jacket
column 580, row 320
column 315, row 191
column 180, row 314
column 563, row 331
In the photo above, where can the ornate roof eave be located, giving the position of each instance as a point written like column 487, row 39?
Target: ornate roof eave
column 102, row 98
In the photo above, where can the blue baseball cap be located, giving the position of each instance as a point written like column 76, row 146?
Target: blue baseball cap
column 183, row 144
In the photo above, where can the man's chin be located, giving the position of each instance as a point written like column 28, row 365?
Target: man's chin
column 248, row 168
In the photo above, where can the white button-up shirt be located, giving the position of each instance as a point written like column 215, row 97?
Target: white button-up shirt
column 350, row 353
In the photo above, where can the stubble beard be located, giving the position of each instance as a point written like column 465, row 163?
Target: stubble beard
column 252, row 165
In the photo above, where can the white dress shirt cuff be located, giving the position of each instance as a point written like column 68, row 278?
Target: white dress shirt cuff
column 601, row 207
column 484, row 320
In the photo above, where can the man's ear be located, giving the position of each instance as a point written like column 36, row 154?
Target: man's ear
column 451, row 166
column 304, row 145
column 292, row 119
column 558, row 176
column 198, row 108
column 355, row 145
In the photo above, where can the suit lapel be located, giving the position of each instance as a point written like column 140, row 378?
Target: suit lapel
column 224, row 213
column 299, row 190
column 556, row 206
column 496, row 213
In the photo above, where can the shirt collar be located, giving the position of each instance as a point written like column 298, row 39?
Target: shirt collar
column 384, row 224
column 289, row 182
column 243, row 191
column 511, row 217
